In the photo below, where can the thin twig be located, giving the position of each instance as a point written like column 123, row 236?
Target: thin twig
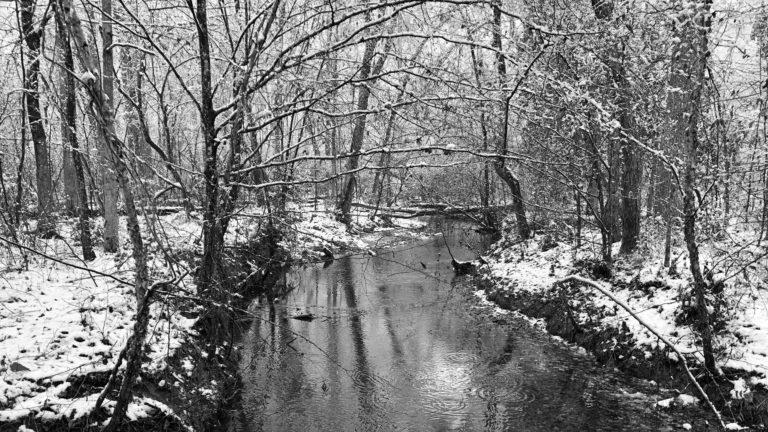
column 64, row 262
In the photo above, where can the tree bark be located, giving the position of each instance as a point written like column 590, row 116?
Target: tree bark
column 213, row 235
column 109, row 182
column 502, row 170
column 631, row 159
column 71, row 200
column 380, row 178
column 632, row 168
column 20, row 167
column 69, row 135
column 358, row 133
column 687, row 80
column 485, row 188
column 131, row 84
column 33, row 38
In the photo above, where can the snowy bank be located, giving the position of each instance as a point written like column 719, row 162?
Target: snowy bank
column 520, row 276
column 62, row 327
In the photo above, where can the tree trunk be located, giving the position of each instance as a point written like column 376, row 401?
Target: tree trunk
column 687, row 80
column 71, row 145
column 131, row 83
column 101, row 109
column 212, row 232
column 358, row 133
column 380, row 178
column 71, row 201
column 485, row 188
column 764, row 215
column 612, row 214
column 603, row 223
column 578, row 217
column 20, row 168
column 109, row 182
column 631, row 175
column 631, row 160
column 650, row 197
column 729, row 156
column 33, row 38
column 502, row 170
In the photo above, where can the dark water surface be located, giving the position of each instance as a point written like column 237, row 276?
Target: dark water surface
column 399, row 347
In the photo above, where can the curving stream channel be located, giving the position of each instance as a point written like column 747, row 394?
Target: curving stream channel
column 398, row 343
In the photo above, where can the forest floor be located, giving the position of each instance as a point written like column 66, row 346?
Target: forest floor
column 520, row 276
column 62, row 328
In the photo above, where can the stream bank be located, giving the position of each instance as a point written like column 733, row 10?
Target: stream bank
column 191, row 385
column 63, row 327
column 521, row 277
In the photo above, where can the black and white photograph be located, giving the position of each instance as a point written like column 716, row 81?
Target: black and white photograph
column 383, row 215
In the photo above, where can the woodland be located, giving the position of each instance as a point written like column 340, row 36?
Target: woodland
column 630, row 130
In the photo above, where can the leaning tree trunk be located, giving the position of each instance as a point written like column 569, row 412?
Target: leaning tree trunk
column 33, row 38
column 500, row 166
column 687, row 78
column 385, row 159
column 232, row 177
column 358, row 133
column 367, row 70
column 102, row 111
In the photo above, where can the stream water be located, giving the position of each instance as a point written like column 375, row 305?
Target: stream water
column 398, row 343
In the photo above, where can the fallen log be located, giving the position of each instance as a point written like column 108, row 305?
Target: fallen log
column 431, row 210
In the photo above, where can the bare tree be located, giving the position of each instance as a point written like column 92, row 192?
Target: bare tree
column 69, row 135
column 367, row 70
column 686, row 82
column 631, row 160
column 109, row 183
column 501, row 131
column 102, row 111
column 32, row 33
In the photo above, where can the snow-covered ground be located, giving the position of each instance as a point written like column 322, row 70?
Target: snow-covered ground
column 58, row 323
column 737, row 262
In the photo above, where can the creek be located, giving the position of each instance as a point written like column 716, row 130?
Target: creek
column 396, row 342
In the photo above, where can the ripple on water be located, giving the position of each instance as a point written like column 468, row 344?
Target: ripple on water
column 514, row 396
column 365, row 379
column 461, row 357
column 507, row 388
column 437, row 405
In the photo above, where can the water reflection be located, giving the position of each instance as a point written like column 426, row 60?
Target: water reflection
column 398, row 346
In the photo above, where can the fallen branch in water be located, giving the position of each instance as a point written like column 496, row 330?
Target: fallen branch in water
column 624, row 306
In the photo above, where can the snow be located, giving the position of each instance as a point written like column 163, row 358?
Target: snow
column 315, row 228
column 525, row 268
column 58, row 323
column 87, row 77
column 740, row 389
column 681, row 400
